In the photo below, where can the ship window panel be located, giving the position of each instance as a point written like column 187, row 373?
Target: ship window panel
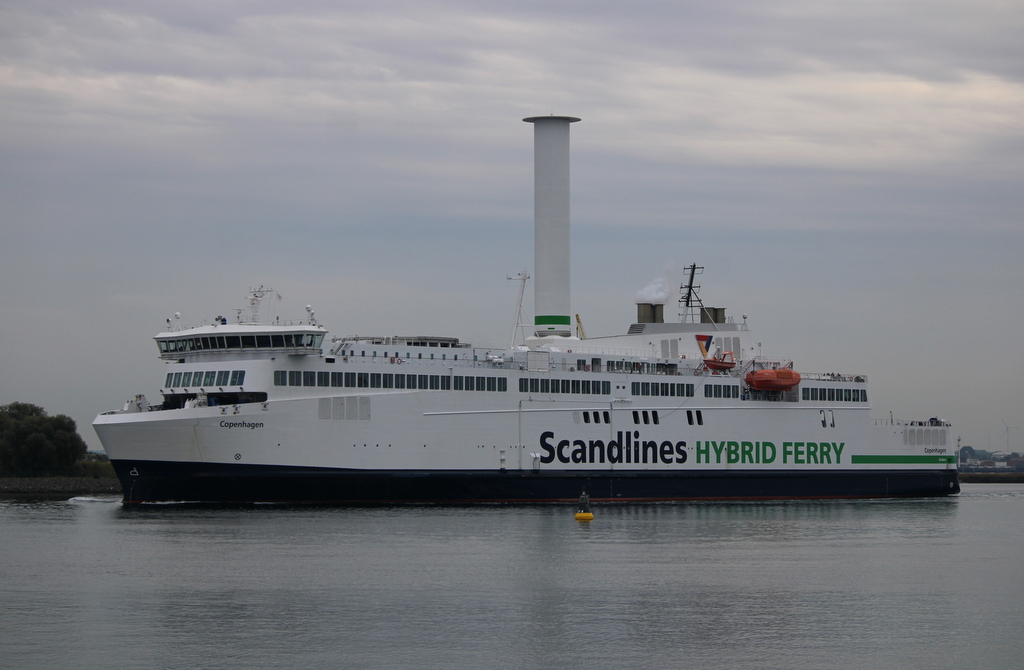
column 388, row 380
column 234, row 342
column 206, row 343
column 317, row 339
column 424, row 381
column 534, row 385
column 654, row 417
column 502, row 384
column 177, row 379
column 263, row 341
column 249, row 341
column 718, row 390
column 805, row 393
column 555, row 386
column 362, row 380
column 689, row 417
column 846, row 394
column 169, row 382
column 647, row 417
column 492, row 384
column 211, row 376
column 700, row 418
column 655, row 389
column 575, row 385
column 606, row 388
column 280, row 378
column 708, row 391
column 294, row 378
column 586, row 417
column 337, row 379
column 607, row 416
column 375, row 380
column 645, row 388
column 399, row 381
column 221, row 344
column 735, row 391
column 446, row 383
column 234, row 378
column 350, row 379
column 664, row 389
column 481, row 384
column 308, row 378
column 435, row 382
column 457, row 383
column 163, row 346
column 813, row 393
column 586, row 387
column 863, row 395
column 545, row 385
column 277, row 340
column 832, row 394
column 288, row 340
column 186, row 379
column 690, row 388
column 636, row 416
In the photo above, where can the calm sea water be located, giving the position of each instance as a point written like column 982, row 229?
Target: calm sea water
column 930, row 584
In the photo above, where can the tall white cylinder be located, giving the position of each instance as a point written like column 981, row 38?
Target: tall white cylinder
column 551, row 224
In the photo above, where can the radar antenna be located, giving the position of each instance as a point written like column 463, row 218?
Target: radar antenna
column 256, row 296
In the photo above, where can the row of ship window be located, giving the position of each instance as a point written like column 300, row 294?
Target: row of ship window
column 583, row 386
column 644, row 417
column 232, row 342
column 663, row 389
column 205, row 378
column 835, row 395
column 388, row 380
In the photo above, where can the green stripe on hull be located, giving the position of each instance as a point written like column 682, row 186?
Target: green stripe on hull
column 890, row 460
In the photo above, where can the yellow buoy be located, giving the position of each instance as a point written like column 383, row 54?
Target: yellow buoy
column 584, row 516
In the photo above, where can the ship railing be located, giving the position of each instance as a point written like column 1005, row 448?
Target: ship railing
column 832, row 377
column 930, row 423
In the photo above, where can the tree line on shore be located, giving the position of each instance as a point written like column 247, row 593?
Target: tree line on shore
column 34, row 444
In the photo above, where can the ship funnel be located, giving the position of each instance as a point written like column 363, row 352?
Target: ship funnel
column 551, row 225
column 647, row 312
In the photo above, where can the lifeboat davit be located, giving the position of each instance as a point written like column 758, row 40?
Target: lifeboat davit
column 719, row 362
column 773, row 380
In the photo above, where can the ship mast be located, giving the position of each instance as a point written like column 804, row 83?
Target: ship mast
column 691, row 305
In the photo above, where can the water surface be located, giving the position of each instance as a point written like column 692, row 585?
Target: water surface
column 87, row 583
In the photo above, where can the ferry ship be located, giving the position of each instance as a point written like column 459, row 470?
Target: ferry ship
column 257, row 411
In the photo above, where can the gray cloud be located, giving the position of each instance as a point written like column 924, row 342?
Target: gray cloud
column 849, row 173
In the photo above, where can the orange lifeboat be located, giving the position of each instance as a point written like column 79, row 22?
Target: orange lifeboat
column 719, row 362
column 773, row 380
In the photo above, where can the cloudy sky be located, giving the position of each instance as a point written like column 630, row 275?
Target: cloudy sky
column 850, row 174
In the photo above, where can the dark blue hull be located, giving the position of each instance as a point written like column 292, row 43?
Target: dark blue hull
column 155, row 481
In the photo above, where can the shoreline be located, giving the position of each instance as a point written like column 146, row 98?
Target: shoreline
column 991, row 477
column 58, row 486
